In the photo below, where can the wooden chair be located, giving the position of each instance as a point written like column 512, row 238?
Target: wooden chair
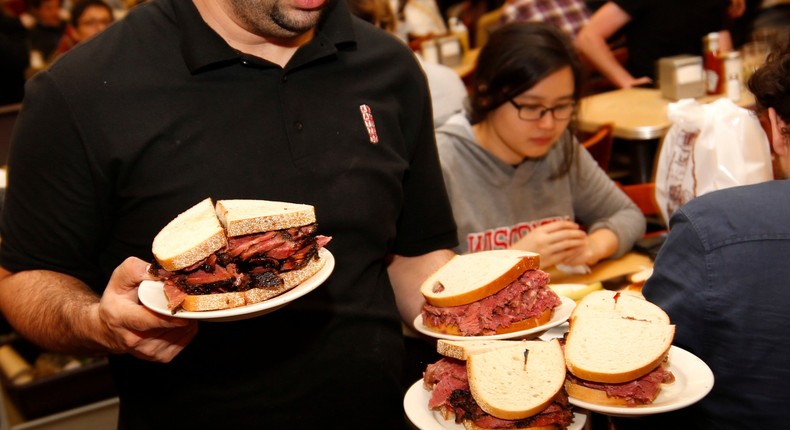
column 487, row 23
column 644, row 196
column 599, row 145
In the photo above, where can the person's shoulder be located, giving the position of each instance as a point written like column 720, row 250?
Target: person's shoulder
column 741, row 210
column 743, row 198
column 454, row 131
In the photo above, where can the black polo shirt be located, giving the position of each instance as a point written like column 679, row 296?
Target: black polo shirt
column 158, row 112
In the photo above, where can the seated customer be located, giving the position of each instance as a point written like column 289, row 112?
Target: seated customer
column 49, row 26
column 568, row 15
column 88, row 18
column 722, row 276
column 516, row 175
column 447, row 89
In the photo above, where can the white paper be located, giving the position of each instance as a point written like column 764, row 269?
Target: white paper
column 688, row 74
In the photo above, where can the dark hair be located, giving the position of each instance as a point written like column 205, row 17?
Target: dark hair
column 770, row 83
column 79, row 8
column 517, row 57
column 35, row 4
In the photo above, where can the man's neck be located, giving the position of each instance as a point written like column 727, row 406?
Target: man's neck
column 278, row 51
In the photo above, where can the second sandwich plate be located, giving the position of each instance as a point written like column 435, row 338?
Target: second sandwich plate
column 152, row 296
column 693, row 381
column 560, row 315
column 415, row 403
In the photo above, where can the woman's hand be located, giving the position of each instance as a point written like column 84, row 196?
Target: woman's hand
column 556, row 242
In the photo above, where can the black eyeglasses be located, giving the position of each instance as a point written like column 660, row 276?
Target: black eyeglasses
column 536, row 112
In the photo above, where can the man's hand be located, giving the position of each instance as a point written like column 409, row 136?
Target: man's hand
column 132, row 328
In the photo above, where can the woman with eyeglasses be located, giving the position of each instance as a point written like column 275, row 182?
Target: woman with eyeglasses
column 88, row 18
column 516, row 175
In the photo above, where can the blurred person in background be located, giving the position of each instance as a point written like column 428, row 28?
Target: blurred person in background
column 14, row 57
column 376, row 12
column 516, row 175
column 48, row 28
column 448, row 91
column 722, row 277
column 569, row 15
column 653, row 29
column 88, row 18
column 419, row 19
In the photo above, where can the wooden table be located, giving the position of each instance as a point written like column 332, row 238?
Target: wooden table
column 639, row 115
column 630, row 263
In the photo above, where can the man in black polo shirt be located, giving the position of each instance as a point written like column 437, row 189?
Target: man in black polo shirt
column 290, row 100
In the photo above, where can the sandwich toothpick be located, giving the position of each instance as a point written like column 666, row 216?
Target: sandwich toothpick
column 526, row 353
column 616, row 296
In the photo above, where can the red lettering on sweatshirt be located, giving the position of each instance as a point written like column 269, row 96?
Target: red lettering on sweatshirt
column 504, row 237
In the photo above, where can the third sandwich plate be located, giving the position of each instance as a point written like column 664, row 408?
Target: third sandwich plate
column 693, row 381
column 415, row 403
column 153, row 297
column 560, row 315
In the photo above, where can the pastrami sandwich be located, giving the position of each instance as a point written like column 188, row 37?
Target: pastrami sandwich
column 488, row 292
column 616, row 350
column 502, row 385
column 237, row 253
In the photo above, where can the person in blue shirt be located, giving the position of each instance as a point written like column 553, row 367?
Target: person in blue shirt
column 724, row 279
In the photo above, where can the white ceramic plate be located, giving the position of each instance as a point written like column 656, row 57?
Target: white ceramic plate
column 153, row 297
column 415, row 403
column 560, row 315
column 693, row 381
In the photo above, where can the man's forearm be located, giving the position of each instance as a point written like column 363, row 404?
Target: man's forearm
column 55, row 311
column 408, row 273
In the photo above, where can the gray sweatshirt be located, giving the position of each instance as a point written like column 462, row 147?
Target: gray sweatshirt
column 495, row 203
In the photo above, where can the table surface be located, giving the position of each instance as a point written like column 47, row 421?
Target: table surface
column 637, row 113
column 630, row 263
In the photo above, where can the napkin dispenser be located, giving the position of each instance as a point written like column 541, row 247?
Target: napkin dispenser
column 681, row 77
column 446, row 50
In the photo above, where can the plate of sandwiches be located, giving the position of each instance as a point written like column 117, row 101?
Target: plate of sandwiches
column 499, row 294
column 236, row 260
column 493, row 386
column 621, row 361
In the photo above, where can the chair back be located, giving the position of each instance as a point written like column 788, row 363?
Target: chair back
column 8, row 114
column 487, row 23
column 644, row 196
column 599, row 145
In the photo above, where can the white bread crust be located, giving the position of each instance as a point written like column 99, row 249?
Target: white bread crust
column 615, row 350
column 469, row 425
column 503, row 388
column 212, row 302
column 628, row 305
column 462, row 349
column 592, row 395
column 471, row 277
column 190, row 237
column 240, row 217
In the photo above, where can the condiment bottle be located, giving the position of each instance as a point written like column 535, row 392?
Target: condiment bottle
column 712, row 63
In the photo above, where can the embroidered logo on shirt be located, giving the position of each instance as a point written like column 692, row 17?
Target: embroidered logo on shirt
column 370, row 125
